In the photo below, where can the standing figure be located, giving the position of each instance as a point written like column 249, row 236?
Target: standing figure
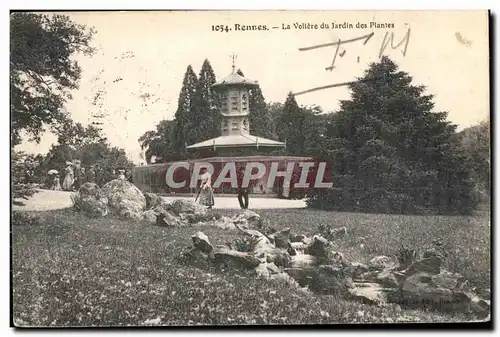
column 68, row 179
column 83, row 176
column 242, row 190
column 91, row 175
column 121, row 174
column 206, row 192
column 56, row 184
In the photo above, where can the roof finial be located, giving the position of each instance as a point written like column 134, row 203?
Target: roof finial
column 234, row 57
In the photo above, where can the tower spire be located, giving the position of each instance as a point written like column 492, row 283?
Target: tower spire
column 234, row 57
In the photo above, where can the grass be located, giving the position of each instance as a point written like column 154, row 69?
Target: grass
column 69, row 270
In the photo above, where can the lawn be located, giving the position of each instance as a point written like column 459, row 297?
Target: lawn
column 69, row 270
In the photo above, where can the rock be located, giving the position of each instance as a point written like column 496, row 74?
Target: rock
column 368, row 293
column 298, row 246
column 195, row 257
column 266, row 270
column 480, row 307
column 318, row 247
column 182, row 206
column 153, row 200
column 91, row 201
column 250, row 216
column 303, row 276
column 418, row 291
column 446, row 279
column 387, row 278
column 382, row 262
column 432, row 252
column 297, row 238
column 336, row 233
column 359, row 269
column 331, row 280
column 224, row 222
column 279, row 258
column 282, row 238
column 124, row 198
column 164, row 218
column 235, row 258
column 149, row 216
column 339, row 259
column 302, row 261
column 431, row 265
column 200, row 241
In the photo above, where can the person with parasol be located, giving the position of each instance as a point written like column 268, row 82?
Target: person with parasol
column 56, row 185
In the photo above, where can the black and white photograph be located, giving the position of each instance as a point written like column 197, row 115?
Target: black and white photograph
column 250, row 168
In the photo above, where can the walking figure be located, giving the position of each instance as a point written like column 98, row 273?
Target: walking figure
column 242, row 191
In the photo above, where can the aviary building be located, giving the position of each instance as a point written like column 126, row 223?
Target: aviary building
column 235, row 144
column 235, row 138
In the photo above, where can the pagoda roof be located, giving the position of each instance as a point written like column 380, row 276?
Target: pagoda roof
column 235, row 79
column 237, row 141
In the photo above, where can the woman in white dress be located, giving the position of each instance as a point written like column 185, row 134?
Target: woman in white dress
column 206, row 193
column 69, row 179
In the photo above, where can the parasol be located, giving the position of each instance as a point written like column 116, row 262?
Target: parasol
column 53, row 172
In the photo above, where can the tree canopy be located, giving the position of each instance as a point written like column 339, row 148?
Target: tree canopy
column 42, row 70
column 390, row 152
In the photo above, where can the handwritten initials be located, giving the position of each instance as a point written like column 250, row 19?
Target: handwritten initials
column 388, row 38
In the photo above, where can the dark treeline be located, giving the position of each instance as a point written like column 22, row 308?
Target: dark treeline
column 387, row 148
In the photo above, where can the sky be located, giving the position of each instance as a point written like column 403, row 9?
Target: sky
column 141, row 59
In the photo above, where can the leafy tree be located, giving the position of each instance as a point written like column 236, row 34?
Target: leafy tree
column 475, row 142
column 389, row 152
column 261, row 121
column 42, row 70
column 186, row 109
column 160, row 143
column 291, row 126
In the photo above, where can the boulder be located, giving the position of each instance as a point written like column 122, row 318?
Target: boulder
column 446, row 279
column 266, row 270
column 149, row 216
column 165, row 219
column 297, row 238
column 331, row 280
column 387, row 278
column 224, row 222
column 358, row 269
column 318, row 247
column 280, row 258
column 298, row 246
column 201, row 242
column 153, row 200
column 124, row 198
column 91, row 201
column 234, row 258
column 431, row 265
column 382, row 262
column 182, row 206
column 368, row 293
column 281, row 239
column 418, row 291
column 303, row 276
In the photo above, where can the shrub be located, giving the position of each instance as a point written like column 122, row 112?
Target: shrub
column 245, row 244
column 24, row 219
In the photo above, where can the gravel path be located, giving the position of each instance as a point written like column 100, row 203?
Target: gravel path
column 49, row 200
